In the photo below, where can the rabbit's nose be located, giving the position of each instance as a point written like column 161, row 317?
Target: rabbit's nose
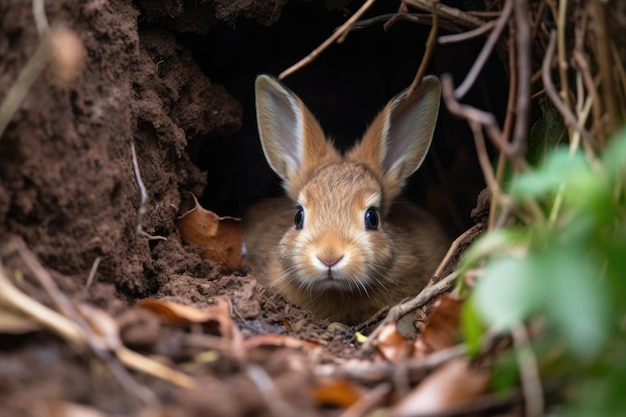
column 330, row 262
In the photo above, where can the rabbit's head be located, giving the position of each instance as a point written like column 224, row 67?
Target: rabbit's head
column 339, row 239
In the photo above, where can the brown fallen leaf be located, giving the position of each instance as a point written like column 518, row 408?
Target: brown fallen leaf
column 441, row 330
column 447, row 388
column 339, row 393
column 181, row 314
column 277, row 340
column 392, row 345
column 220, row 237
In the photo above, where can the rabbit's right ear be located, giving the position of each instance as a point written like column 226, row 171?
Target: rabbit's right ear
column 292, row 140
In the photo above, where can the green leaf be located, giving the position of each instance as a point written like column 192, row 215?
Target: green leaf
column 558, row 167
column 545, row 135
column 505, row 373
column 577, row 302
column 614, row 156
column 590, row 193
column 472, row 328
column 509, row 292
column 495, row 242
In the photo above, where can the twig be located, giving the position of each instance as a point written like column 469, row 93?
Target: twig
column 146, row 396
column 603, row 41
column 92, row 273
column 371, row 372
column 508, row 122
column 143, row 193
column 484, row 161
column 276, row 404
column 39, row 14
column 338, row 35
column 375, row 318
column 620, row 70
column 561, row 53
column 569, row 118
column 44, row 278
column 522, row 43
column 470, row 34
column 431, row 42
column 419, row 18
column 36, row 63
column 538, row 18
column 590, row 85
column 529, row 372
column 485, row 52
column 49, row 318
column 452, row 251
column 424, row 297
column 483, row 14
column 573, row 147
column 367, row 402
column 450, row 13
column 538, row 94
column 402, row 13
column 488, row 120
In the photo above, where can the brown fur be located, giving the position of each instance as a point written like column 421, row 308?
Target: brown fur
column 374, row 268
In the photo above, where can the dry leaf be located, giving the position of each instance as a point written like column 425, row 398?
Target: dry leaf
column 447, row 388
column 441, row 330
column 277, row 340
column 220, row 237
column 181, row 314
column 339, row 393
column 392, row 344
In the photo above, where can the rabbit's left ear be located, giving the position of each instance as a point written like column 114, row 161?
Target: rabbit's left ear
column 292, row 140
column 398, row 140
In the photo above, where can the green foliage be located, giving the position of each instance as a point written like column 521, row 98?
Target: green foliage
column 569, row 270
column 546, row 134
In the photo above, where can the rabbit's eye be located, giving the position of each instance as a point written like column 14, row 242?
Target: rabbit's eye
column 298, row 219
column 371, row 219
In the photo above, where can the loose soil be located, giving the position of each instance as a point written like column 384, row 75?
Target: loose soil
column 67, row 189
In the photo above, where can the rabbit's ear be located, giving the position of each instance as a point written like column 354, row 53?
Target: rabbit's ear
column 399, row 138
column 292, row 140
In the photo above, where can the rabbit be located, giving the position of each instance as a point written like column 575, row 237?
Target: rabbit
column 343, row 244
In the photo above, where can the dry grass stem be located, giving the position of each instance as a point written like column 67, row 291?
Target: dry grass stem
column 12, row 297
column 36, row 63
column 39, row 14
